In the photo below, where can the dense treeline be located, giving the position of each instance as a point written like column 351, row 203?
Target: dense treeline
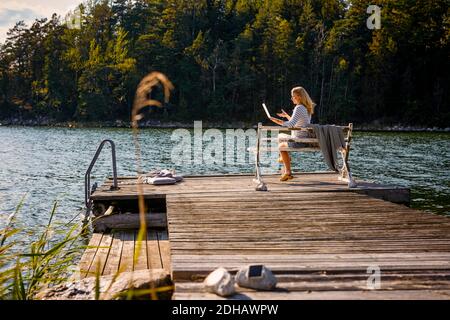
column 226, row 56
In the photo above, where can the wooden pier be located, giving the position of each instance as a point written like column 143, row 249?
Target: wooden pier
column 321, row 239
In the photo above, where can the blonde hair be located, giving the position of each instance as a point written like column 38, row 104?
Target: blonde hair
column 305, row 98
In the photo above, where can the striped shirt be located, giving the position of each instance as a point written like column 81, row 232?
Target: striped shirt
column 300, row 118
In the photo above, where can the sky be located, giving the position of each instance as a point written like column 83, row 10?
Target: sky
column 12, row 11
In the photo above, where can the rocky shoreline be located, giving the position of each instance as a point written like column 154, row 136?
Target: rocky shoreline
column 206, row 124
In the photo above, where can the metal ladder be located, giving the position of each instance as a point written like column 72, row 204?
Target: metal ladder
column 87, row 177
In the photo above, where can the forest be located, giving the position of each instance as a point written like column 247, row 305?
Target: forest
column 225, row 57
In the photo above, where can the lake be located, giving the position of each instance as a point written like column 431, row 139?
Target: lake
column 48, row 164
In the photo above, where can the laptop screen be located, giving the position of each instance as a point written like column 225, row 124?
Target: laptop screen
column 267, row 111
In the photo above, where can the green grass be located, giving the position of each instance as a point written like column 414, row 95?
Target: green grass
column 45, row 262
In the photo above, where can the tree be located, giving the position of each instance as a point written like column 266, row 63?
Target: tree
column 226, row 56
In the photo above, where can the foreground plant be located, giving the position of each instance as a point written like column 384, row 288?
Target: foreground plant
column 47, row 261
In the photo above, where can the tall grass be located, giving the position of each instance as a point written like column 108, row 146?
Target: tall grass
column 46, row 261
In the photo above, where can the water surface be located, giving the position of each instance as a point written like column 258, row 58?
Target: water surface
column 48, row 164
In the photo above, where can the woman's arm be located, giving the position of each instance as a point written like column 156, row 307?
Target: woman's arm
column 277, row 121
column 299, row 116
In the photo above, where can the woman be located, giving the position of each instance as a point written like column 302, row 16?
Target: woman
column 301, row 117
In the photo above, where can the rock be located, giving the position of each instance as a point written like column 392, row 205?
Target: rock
column 220, row 282
column 84, row 289
column 257, row 277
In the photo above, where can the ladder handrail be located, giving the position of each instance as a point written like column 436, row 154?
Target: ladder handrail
column 87, row 177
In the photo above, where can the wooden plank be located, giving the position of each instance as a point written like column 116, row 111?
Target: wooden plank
column 129, row 221
column 164, row 249
column 303, row 234
column 202, row 267
column 337, row 247
column 183, row 273
column 140, row 252
column 303, row 187
column 323, row 295
column 126, row 261
column 313, row 258
column 153, row 253
column 113, row 261
column 344, row 284
column 99, row 262
column 89, row 254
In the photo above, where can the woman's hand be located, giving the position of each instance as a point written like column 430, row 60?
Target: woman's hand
column 283, row 114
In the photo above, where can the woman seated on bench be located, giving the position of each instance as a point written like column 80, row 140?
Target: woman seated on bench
column 301, row 117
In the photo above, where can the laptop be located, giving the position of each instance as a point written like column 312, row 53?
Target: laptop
column 266, row 110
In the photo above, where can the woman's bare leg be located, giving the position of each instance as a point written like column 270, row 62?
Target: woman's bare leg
column 282, row 144
column 286, row 161
column 286, row 158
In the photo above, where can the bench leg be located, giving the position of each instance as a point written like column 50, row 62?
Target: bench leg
column 257, row 174
column 258, row 179
column 261, row 185
column 345, row 173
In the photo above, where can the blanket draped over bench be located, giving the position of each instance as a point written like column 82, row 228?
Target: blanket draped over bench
column 331, row 140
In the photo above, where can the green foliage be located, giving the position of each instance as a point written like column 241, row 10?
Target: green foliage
column 46, row 261
column 226, row 56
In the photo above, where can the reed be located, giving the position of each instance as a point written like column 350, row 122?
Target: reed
column 142, row 100
column 45, row 262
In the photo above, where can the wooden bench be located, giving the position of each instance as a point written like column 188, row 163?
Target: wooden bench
column 313, row 146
